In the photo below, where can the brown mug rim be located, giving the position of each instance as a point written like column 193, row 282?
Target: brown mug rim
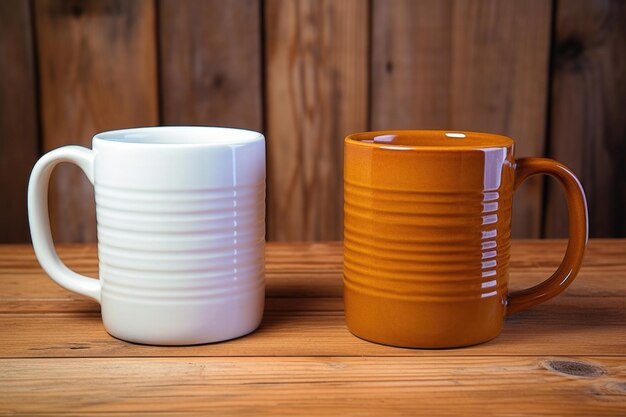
column 470, row 140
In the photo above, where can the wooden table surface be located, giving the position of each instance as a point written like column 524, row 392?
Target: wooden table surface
column 567, row 356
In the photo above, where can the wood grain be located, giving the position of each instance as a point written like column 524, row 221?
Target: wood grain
column 210, row 62
column 466, row 65
column 316, row 386
column 18, row 117
column 588, row 131
column 316, row 86
column 561, row 358
column 97, row 71
column 574, row 326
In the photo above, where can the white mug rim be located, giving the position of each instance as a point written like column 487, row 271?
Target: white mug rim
column 188, row 136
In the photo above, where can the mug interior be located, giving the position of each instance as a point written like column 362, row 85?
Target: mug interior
column 424, row 139
column 181, row 135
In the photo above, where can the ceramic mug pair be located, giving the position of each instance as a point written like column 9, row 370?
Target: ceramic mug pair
column 180, row 215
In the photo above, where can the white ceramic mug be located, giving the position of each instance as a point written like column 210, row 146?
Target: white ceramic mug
column 181, row 226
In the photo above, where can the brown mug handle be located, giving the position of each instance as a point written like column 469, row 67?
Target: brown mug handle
column 578, row 230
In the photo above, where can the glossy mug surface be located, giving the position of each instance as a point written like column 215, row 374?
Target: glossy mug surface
column 427, row 235
column 181, row 225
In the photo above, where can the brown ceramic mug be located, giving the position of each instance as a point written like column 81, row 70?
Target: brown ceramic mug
column 427, row 235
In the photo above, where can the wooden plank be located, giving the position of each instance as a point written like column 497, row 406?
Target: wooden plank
column 305, row 260
column 315, row 270
column 18, row 117
column 312, row 386
column 564, row 326
column 317, row 84
column 304, row 292
column 210, row 62
column 97, row 71
column 466, row 65
column 296, row 291
column 293, row 285
column 587, row 131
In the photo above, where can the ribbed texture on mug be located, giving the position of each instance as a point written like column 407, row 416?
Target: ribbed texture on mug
column 180, row 245
column 426, row 246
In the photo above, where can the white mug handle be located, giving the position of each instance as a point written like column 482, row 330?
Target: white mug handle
column 40, row 221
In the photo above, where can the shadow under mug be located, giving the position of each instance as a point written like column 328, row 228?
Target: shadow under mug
column 427, row 230
column 181, row 231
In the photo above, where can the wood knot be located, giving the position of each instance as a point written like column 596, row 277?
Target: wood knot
column 389, row 66
column 218, row 81
column 574, row 368
column 77, row 10
column 569, row 49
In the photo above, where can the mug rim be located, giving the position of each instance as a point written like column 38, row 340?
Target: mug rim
column 185, row 135
column 452, row 140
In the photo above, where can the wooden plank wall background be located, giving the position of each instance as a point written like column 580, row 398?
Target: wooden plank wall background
column 551, row 74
